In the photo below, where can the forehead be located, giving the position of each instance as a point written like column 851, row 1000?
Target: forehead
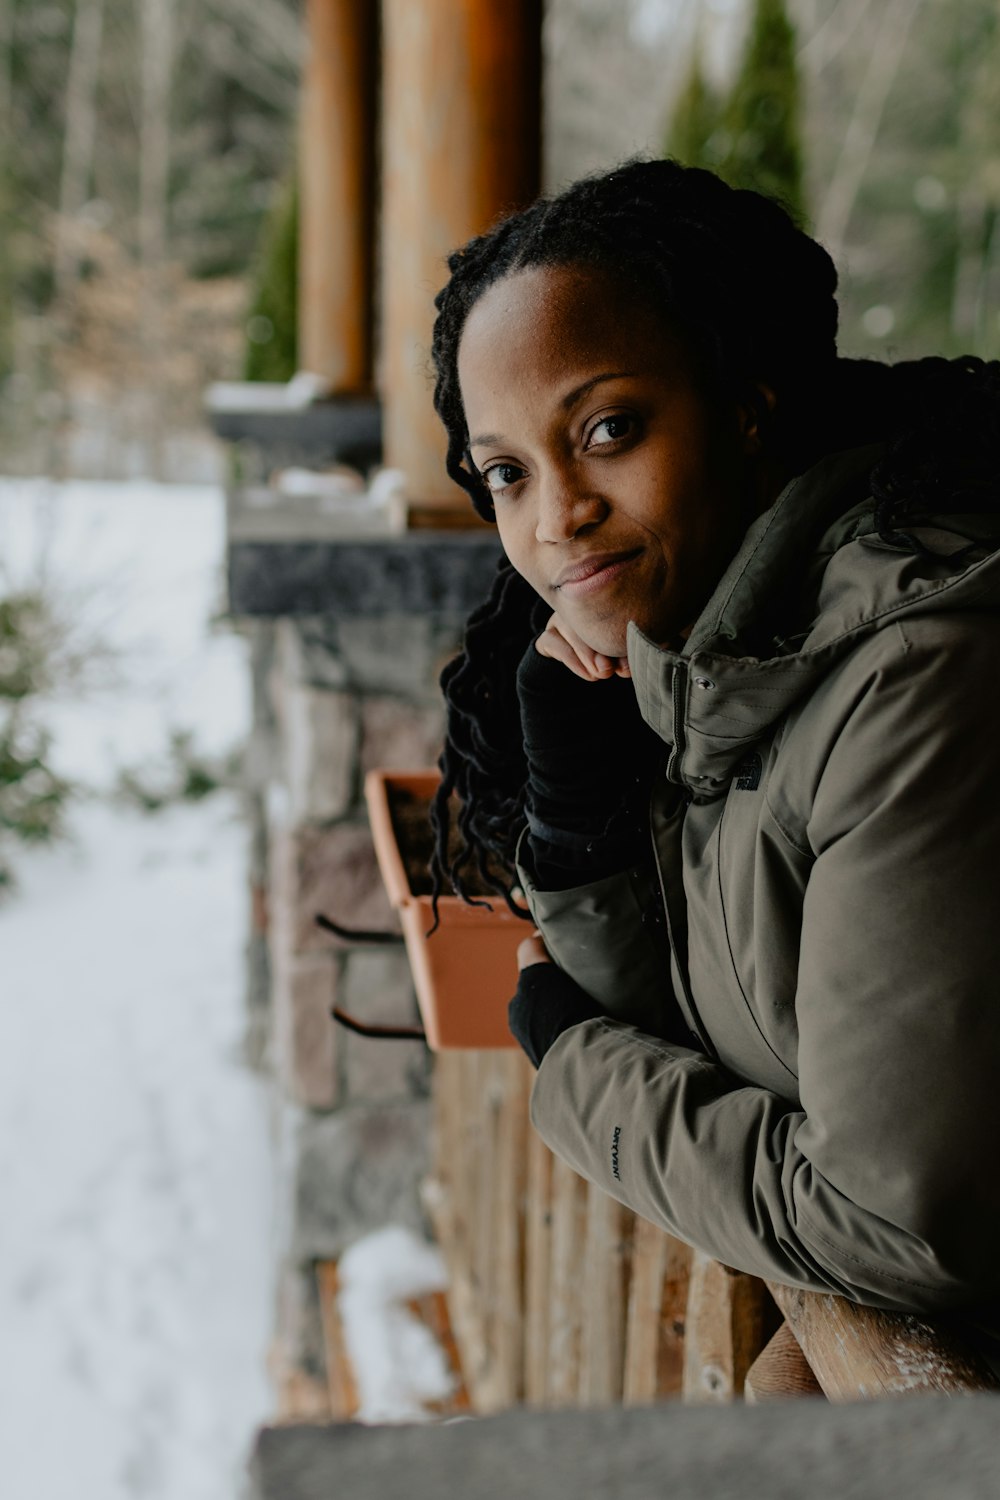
column 543, row 327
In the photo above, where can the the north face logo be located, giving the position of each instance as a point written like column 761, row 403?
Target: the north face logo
column 746, row 777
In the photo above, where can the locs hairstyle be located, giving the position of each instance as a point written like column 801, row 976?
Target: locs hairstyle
column 753, row 296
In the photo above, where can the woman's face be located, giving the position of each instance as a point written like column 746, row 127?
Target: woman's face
column 620, row 492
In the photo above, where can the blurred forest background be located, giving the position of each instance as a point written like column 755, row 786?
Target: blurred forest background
column 147, row 168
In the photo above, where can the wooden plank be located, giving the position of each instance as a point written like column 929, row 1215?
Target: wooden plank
column 858, row 1353
column 502, row 1191
column 339, row 1370
column 569, row 1213
column 537, row 1269
column 300, row 1398
column 673, row 1318
column 780, row 1371
column 604, row 1292
column 511, row 1186
column 724, row 1330
column 433, row 1312
column 467, row 1287
column 642, row 1329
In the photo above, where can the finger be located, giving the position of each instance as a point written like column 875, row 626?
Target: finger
column 553, row 643
column 600, row 663
column 563, row 644
column 530, row 951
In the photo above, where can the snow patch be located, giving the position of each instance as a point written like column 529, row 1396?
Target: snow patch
column 398, row 1364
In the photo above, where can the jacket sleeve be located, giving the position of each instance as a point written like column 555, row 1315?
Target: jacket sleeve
column 609, row 936
column 883, row 1185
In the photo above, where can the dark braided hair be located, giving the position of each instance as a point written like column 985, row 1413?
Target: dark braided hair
column 754, row 298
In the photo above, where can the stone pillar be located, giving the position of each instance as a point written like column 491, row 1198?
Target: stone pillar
column 461, row 107
column 337, row 192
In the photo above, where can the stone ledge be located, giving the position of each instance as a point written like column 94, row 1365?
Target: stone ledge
column 420, row 573
column 346, row 428
column 907, row 1449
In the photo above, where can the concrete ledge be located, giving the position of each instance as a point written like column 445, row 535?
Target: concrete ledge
column 419, row 573
column 347, row 428
column 917, row 1448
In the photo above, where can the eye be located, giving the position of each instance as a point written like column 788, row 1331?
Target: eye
column 615, row 427
column 501, row 476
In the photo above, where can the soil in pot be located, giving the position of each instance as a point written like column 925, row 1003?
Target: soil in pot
column 411, row 824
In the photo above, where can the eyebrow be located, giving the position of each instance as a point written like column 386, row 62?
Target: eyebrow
column 490, row 439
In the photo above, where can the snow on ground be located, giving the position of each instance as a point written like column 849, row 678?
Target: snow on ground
column 397, row 1362
column 136, row 1234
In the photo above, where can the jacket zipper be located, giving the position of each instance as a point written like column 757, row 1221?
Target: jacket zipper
column 695, row 1024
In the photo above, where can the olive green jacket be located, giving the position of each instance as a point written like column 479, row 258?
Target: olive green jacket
column 799, row 1072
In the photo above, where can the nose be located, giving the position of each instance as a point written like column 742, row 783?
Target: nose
column 566, row 506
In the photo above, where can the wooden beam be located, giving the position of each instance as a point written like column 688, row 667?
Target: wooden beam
column 780, row 1372
column 337, row 193
column 461, row 102
column 724, row 1332
column 857, row 1353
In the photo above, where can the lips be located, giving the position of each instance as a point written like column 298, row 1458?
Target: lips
column 595, row 571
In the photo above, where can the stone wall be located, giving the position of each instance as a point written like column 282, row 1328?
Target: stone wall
column 336, row 693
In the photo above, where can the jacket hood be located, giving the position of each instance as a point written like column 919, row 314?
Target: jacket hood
column 811, row 579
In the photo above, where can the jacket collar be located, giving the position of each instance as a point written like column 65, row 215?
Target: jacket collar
column 810, row 579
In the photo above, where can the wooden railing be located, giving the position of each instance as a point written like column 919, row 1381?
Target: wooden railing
column 561, row 1297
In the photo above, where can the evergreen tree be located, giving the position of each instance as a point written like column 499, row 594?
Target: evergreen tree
column 693, row 134
column 761, row 120
column 272, row 324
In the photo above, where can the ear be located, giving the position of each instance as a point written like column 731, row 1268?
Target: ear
column 753, row 412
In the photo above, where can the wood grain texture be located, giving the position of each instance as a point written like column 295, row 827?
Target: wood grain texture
column 569, row 1220
column 336, row 169
column 537, row 1269
column 724, row 1332
column 608, row 1231
column 780, row 1371
column 461, row 138
column 432, row 1311
column 859, row 1353
column 341, row 1384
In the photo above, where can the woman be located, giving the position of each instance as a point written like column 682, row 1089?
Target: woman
column 729, row 720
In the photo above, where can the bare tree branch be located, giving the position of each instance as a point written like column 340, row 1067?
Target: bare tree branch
column 279, row 27
column 80, row 133
column 829, row 39
column 220, row 46
column 862, row 130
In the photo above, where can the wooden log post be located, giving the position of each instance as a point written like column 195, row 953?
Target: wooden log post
column 337, row 193
column 857, row 1353
column 780, row 1372
column 726, row 1330
column 461, row 105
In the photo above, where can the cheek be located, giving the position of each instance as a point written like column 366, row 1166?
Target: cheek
column 516, row 532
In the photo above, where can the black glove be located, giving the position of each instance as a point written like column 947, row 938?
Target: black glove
column 546, row 1004
column 591, row 758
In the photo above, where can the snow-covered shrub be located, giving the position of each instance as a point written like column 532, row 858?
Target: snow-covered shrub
column 32, row 796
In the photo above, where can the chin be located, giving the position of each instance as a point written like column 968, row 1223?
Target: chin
column 609, row 639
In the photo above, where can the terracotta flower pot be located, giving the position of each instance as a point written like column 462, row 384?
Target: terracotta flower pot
column 466, row 972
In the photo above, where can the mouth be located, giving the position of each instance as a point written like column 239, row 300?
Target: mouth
column 593, row 573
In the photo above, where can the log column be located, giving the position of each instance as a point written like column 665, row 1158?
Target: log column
column 337, row 188
column 461, row 109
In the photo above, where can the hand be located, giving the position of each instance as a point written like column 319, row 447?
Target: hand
column 591, row 758
column 546, row 1004
column 560, row 643
column 532, row 951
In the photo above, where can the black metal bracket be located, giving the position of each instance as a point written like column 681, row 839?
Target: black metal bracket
column 380, row 1033
column 357, row 934
column 365, row 1028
